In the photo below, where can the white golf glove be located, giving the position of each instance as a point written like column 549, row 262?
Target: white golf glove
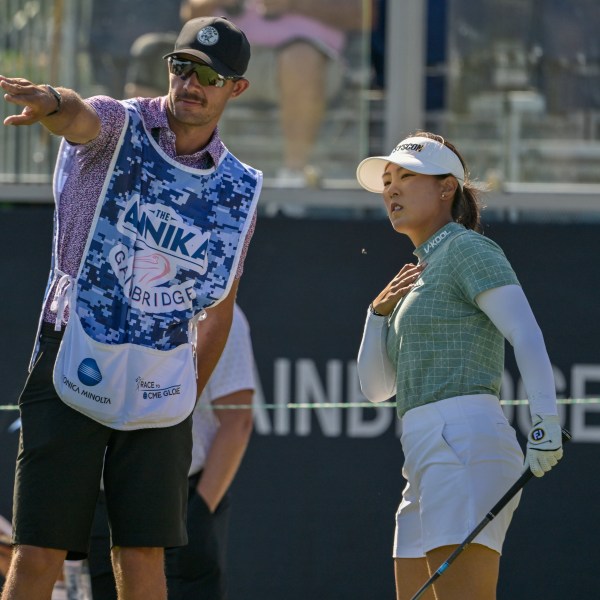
column 544, row 444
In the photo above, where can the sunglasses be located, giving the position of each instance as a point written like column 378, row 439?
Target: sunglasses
column 206, row 75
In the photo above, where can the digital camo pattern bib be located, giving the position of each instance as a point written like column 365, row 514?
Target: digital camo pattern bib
column 165, row 243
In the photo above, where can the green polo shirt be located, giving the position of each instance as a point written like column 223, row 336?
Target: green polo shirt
column 440, row 340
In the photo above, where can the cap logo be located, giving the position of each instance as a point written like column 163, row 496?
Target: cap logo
column 409, row 147
column 208, row 36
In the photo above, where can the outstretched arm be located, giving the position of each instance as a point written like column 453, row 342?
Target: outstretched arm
column 68, row 116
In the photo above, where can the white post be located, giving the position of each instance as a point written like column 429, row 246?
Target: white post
column 404, row 69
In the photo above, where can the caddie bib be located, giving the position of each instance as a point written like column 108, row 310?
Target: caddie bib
column 164, row 245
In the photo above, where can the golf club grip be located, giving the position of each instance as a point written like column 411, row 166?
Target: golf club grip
column 523, row 479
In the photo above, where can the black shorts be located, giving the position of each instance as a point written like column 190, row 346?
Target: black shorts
column 197, row 570
column 62, row 454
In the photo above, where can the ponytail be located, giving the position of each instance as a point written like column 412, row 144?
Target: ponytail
column 466, row 207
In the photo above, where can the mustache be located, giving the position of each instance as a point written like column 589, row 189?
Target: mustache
column 191, row 98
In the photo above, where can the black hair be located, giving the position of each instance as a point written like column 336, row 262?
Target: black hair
column 466, row 206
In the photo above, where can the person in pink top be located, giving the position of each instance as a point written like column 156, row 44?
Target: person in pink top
column 296, row 57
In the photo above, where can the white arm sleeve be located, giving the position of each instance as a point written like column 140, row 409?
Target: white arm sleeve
column 508, row 309
column 376, row 373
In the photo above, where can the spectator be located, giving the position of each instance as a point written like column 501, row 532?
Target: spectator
column 145, row 72
column 297, row 62
column 115, row 25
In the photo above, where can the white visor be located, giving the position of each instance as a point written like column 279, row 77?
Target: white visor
column 419, row 154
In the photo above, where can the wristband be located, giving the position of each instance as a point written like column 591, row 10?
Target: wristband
column 58, row 97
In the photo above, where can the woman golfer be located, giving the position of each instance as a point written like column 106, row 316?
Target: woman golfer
column 434, row 338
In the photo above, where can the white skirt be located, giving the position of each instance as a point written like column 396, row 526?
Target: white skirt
column 461, row 456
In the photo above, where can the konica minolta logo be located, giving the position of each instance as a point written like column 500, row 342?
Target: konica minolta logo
column 89, row 372
column 409, row 147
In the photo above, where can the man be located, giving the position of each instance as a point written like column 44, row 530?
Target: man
column 198, row 570
column 152, row 224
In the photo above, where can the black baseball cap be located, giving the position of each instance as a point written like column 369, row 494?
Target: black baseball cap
column 217, row 42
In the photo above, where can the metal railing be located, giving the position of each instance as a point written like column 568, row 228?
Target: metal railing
column 510, row 137
column 43, row 41
column 48, row 41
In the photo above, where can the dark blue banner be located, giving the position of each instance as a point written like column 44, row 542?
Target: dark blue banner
column 314, row 502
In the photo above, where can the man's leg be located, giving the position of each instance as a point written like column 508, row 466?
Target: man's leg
column 56, row 481
column 32, row 573
column 139, row 573
column 99, row 558
column 146, row 484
